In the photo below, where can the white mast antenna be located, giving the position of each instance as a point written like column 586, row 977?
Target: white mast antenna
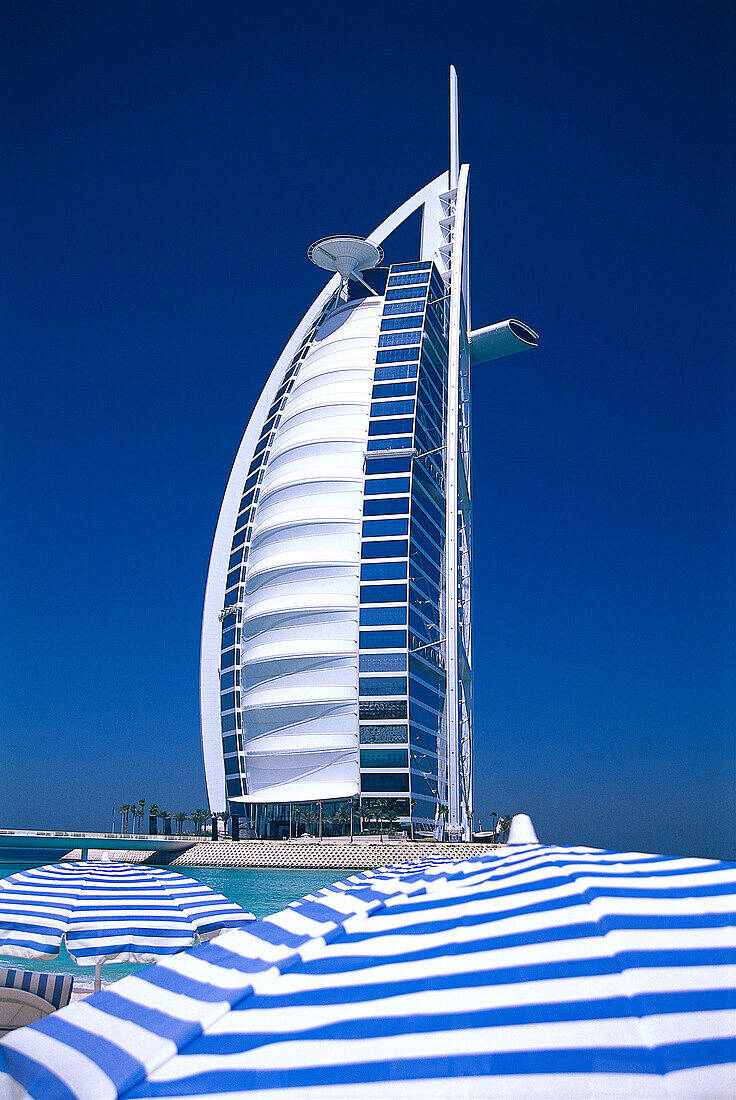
column 454, row 131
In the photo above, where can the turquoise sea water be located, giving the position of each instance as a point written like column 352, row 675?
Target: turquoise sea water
column 261, row 890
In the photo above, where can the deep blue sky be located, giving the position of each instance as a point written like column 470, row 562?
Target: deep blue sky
column 164, row 168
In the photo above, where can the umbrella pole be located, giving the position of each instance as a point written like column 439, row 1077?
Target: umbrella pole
column 98, row 975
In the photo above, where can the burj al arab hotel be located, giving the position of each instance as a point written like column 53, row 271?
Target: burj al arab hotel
column 336, row 657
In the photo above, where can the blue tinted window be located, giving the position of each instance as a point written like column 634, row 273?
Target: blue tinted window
column 383, row 685
column 383, row 593
column 229, row 744
column 388, row 465
column 394, row 324
column 239, row 539
column 387, row 735
column 383, row 662
column 227, row 680
column 399, row 356
column 228, row 701
column 383, row 374
column 425, row 695
column 420, row 713
column 392, row 408
column 234, row 788
column 424, row 739
column 242, row 519
column 422, row 785
column 374, row 486
column 386, row 506
column 251, row 481
column 382, row 639
column 424, row 763
column 231, row 597
column 398, row 548
column 379, row 709
column 383, row 570
column 232, row 578
column 406, row 292
column 228, row 659
column 408, row 280
column 390, row 427
column 401, row 443
column 373, row 527
column 384, row 758
column 235, row 558
column 227, row 722
column 391, row 310
column 417, row 265
column 261, row 446
column 394, row 389
column 231, row 765
column 380, row 616
column 399, row 339
column 228, row 638
column 376, row 781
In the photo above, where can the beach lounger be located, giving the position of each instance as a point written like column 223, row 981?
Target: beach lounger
column 27, row 996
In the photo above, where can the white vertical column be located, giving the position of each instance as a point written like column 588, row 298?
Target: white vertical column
column 454, row 816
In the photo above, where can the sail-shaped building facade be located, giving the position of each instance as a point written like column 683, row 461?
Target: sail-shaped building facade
column 336, row 658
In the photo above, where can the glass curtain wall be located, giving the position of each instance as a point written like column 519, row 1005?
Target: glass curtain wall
column 402, row 676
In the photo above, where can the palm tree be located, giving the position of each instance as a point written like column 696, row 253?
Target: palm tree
column 320, row 819
column 368, row 811
column 376, row 811
column 142, row 804
column 297, row 815
column 199, row 817
column 504, row 825
column 470, row 816
column 342, row 814
column 165, row 816
column 390, row 812
column 442, row 813
column 180, row 818
column 153, row 814
column 310, row 816
column 494, row 815
column 124, row 811
column 224, row 816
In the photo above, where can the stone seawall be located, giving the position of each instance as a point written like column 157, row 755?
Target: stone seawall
column 360, row 856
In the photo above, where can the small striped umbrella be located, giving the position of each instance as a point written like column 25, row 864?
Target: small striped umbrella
column 109, row 912
column 536, row 972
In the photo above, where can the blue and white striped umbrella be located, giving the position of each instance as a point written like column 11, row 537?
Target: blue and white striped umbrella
column 109, row 912
column 536, row 972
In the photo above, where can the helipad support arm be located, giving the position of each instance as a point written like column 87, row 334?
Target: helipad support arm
column 355, row 275
column 503, row 338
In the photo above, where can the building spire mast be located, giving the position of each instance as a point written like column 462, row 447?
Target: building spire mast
column 454, row 131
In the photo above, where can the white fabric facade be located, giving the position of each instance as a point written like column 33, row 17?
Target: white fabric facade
column 300, row 610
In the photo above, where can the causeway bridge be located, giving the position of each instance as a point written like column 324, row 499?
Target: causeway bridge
column 20, row 844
